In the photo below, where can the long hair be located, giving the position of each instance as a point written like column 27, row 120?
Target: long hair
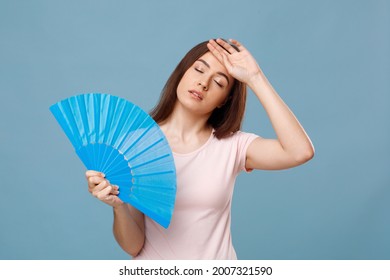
column 225, row 120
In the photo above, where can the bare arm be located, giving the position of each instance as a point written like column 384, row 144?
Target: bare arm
column 129, row 230
column 292, row 146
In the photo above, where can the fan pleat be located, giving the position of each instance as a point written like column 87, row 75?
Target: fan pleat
column 145, row 150
column 149, row 162
column 118, row 138
column 151, row 174
column 117, row 130
column 84, row 118
column 70, row 121
column 84, row 156
column 158, row 214
column 157, row 185
column 108, row 116
column 149, row 194
column 76, row 121
column 138, row 129
column 142, row 157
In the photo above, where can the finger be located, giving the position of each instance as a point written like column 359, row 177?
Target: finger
column 90, row 173
column 104, row 194
column 220, row 54
column 115, row 190
column 225, row 45
column 95, row 180
column 217, row 53
column 219, row 46
column 97, row 188
column 237, row 44
column 226, row 62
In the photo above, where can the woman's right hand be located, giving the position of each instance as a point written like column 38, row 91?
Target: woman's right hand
column 101, row 188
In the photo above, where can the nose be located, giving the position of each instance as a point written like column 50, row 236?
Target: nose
column 204, row 85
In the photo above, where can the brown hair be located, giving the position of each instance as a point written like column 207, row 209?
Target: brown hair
column 225, row 120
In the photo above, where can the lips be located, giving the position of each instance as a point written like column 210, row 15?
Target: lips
column 196, row 94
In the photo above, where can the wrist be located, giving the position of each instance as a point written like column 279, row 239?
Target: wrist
column 119, row 206
column 257, row 81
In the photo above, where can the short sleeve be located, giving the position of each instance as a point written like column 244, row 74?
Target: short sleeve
column 243, row 140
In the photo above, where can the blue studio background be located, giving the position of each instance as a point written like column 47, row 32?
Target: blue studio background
column 329, row 60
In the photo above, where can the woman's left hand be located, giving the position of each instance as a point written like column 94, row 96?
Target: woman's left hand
column 240, row 64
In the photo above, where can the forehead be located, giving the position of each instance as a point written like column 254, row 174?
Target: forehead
column 215, row 65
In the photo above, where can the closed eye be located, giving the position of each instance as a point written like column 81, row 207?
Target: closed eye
column 201, row 71
column 220, row 85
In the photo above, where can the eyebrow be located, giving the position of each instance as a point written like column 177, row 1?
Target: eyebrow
column 220, row 73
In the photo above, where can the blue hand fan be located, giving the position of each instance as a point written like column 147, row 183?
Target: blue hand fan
column 116, row 137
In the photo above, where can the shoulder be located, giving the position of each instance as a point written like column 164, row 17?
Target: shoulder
column 237, row 142
column 236, row 146
column 240, row 136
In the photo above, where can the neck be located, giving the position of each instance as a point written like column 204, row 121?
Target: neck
column 186, row 125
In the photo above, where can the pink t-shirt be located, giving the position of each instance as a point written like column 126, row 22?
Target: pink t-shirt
column 200, row 225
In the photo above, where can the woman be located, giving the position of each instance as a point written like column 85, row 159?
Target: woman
column 200, row 112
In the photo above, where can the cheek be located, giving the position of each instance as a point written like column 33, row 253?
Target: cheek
column 228, row 91
column 222, row 98
column 183, row 82
column 224, row 95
